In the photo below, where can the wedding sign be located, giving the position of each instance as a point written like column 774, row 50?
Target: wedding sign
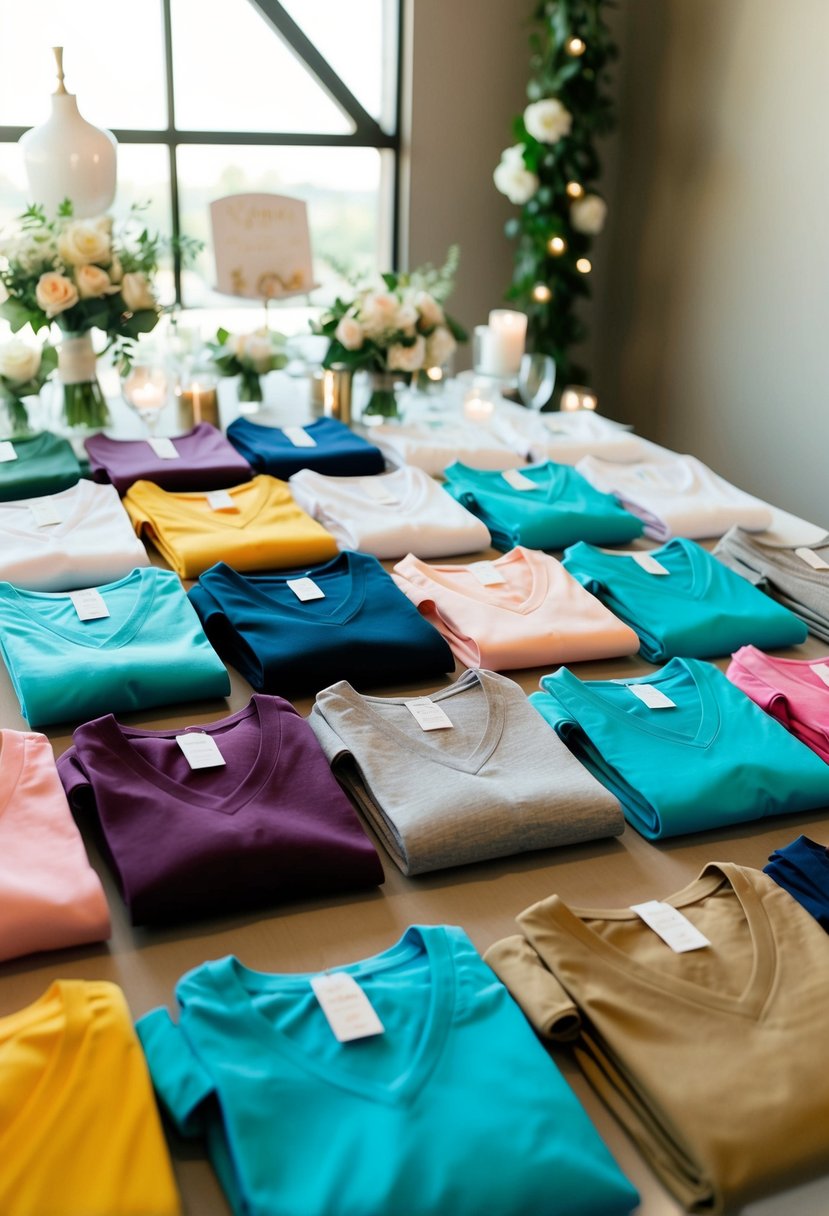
column 262, row 246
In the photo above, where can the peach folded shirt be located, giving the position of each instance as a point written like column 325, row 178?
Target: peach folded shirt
column 535, row 615
column 50, row 896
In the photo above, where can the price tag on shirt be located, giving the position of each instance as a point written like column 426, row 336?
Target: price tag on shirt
column 649, row 563
column 809, row 557
column 668, row 923
column 220, row 500
column 379, row 493
column 428, row 715
column 821, row 670
column 349, row 1012
column 45, row 512
column 299, row 437
column 7, row 451
column 305, row 589
column 518, row 481
column 654, row 698
column 487, row 574
column 89, row 604
column 200, row 749
column 164, row 448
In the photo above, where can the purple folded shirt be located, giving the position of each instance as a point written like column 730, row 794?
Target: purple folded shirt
column 268, row 825
column 205, row 461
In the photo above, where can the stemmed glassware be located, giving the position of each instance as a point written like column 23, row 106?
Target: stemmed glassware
column 146, row 389
column 536, row 380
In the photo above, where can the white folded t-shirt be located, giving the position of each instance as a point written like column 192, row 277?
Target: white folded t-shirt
column 564, row 437
column 431, row 445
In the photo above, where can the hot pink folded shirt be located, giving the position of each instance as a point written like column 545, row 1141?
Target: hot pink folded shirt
column 789, row 690
column 50, row 896
column 540, row 615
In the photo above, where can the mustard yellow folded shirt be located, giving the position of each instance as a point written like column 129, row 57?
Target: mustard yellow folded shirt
column 79, row 1127
column 253, row 526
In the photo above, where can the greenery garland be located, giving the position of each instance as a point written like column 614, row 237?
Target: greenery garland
column 551, row 170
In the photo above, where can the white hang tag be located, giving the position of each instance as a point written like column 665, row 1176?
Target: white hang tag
column 200, row 749
column 89, row 604
column 821, row 670
column 518, row 481
column 45, row 512
column 812, row 559
column 220, row 500
column 379, row 493
column 487, row 574
column 164, row 448
column 648, row 563
column 349, row 1012
column 305, row 589
column 7, row 451
column 299, row 437
column 654, row 698
column 427, row 714
column 668, row 923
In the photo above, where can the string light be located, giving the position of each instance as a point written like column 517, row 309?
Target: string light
column 557, row 246
column 584, row 265
column 541, row 293
column 574, row 190
column 575, row 47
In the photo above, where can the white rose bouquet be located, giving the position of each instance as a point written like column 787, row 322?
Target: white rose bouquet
column 395, row 330
column 24, row 369
column 249, row 356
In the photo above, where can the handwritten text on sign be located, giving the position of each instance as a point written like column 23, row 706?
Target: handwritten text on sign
column 262, row 246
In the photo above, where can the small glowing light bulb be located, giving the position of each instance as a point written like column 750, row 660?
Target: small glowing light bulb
column 575, row 47
column 574, row 190
column 557, row 245
column 584, row 265
column 541, row 293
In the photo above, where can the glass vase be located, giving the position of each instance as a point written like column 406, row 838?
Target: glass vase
column 250, row 385
column 383, row 403
column 83, row 406
column 14, row 419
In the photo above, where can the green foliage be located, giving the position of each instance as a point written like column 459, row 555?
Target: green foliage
column 582, row 84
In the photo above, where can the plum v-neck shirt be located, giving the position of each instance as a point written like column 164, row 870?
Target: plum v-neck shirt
column 536, row 615
column 269, row 825
column 791, row 690
column 50, row 896
column 205, row 461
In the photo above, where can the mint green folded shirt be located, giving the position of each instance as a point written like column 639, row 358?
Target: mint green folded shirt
column 44, row 464
column 711, row 760
column 697, row 609
column 563, row 509
column 151, row 650
column 454, row 1110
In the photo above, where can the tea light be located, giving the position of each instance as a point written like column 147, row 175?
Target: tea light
column 578, row 397
column 198, row 402
column 477, row 408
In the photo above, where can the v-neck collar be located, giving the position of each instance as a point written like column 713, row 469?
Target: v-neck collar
column 749, row 1003
column 693, row 582
column 147, row 580
column 532, row 559
column 118, row 741
column 189, row 502
column 760, row 664
column 80, row 499
column 239, row 982
column 345, row 565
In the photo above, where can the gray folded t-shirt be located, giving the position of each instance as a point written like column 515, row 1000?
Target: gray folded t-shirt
column 779, row 570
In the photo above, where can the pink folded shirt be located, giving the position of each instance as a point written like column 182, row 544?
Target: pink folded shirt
column 50, row 896
column 534, row 615
column 794, row 691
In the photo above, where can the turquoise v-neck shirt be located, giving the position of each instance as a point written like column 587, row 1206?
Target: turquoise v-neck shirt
column 455, row 1110
column 562, row 508
column 697, row 608
column 712, row 759
column 150, row 650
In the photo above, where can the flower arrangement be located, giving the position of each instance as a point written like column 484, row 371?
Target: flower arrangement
column 82, row 275
column 550, row 173
column 24, row 369
column 396, row 330
column 249, row 356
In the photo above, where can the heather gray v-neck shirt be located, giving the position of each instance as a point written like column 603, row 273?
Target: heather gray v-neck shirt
column 500, row 781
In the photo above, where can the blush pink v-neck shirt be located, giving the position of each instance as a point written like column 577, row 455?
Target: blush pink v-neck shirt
column 534, row 616
column 50, row 896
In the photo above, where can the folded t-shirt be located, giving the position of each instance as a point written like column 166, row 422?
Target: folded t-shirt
column 432, row 445
column 564, row 437
column 202, row 459
column 327, row 445
column 42, row 464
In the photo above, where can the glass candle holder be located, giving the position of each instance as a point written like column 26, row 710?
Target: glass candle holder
column 577, row 397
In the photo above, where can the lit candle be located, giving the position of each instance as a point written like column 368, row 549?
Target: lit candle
column 147, row 396
column 198, row 402
column 508, row 333
column 476, row 408
column 578, row 397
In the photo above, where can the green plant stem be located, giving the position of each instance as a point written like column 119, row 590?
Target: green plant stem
column 250, row 386
column 84, row 405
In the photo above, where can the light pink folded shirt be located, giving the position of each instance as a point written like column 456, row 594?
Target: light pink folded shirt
column 50, row 896
column 790, row 690
column 539, row 615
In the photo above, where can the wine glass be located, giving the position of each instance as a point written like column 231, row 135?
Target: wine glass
column 145, row 389
column 536, row 380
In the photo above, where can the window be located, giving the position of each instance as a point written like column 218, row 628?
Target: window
column 298, row 97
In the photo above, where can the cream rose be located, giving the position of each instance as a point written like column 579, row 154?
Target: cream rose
column 439, row 346
column 378, row 313
column 55, row 293
column 135, row 289
column 83, row 242
column 19, row 362
column 349, row 333
column 259, row 353
column 91, row 281
column 406, row 358
column 588, row 214
column 406, row 317
column 513, row 178
column 431, row 313
column 116, row 270
column 547, row 120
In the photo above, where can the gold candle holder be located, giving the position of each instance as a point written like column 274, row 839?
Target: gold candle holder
column 198, row 402
column 336, row 392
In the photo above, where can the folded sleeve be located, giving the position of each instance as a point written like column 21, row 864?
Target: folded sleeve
column 179, row 1078
column 547, row 1006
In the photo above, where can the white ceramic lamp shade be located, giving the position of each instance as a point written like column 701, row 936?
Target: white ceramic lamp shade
column 67, row 157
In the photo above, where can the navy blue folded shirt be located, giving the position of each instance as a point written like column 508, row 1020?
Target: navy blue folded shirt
column 335, row 450
column 364, row 630
column 802, row 869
